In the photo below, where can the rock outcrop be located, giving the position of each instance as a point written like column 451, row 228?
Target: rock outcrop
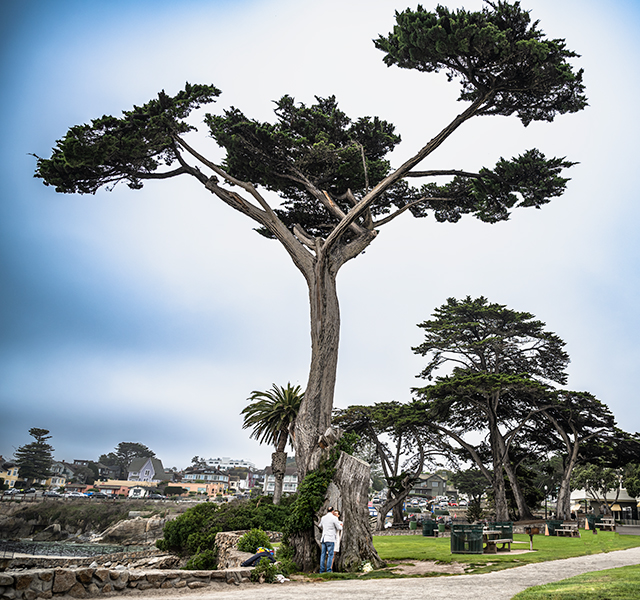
column 133, row 532
column 53, row 533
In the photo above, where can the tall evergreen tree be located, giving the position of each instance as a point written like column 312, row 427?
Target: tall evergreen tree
column 124, row 453
column 34, row 460
column 502, row 361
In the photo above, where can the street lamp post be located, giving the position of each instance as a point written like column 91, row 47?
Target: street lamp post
column 545, row 502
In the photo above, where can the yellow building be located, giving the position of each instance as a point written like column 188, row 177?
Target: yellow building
column 9, row 472
column 206, row 489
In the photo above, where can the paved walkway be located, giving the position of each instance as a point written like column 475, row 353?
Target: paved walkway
column 500, row 585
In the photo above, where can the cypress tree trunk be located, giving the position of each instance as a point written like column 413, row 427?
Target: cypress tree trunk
column 499, row 491
column 564, row 493
column 350, row 486
column 523, row 509
column 314, row 416
column 349, row 493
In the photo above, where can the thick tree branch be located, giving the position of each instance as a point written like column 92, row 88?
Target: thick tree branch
column 357, row 211
column 436, row 173
column 267, row 218
column 222, row 173
column 398, row 212
column 166, row 175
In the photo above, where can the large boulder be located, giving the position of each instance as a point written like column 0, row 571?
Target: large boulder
column 134, row 532
column 53, row 533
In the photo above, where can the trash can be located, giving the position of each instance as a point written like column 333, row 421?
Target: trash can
column 505, row 528
column 552, row 526
column 466, row 539
column 440, row 527
column 429, row 528
column 413, row 525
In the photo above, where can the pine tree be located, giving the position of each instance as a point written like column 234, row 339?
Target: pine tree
column 34, row 459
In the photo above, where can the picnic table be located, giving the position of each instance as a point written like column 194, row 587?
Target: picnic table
column 568, row 528
column 607, row 524
column 491, row 538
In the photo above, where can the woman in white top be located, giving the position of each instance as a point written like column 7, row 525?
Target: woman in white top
column 336, row 547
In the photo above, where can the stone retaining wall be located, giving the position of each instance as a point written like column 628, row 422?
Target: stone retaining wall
column 140, row 558
column 84, row 582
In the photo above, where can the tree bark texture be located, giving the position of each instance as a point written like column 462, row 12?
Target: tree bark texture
column 523, row 508
column 349, row 493
column 499, row 491
column 278, row 467
column 314, row 416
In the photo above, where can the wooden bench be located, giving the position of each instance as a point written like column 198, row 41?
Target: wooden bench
column 569, row 529
column 491, row 539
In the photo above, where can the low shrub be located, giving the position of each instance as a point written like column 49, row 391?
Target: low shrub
column 286, row 564
column 203, row 561
column 254, row 539
column 195, row 530
column 265, row 571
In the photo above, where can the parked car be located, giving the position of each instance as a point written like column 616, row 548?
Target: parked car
column 12, row 491
column 100, row 495
column 52, row 494
column 156, row 497
column 74, row 495
column 29, row 491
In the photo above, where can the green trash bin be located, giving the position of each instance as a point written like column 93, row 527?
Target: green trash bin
column 466, row 539
column 592, row 521
column 429, row 527
column 413, row 525
column 552, row 525
column 440, row 527
column 505, row 528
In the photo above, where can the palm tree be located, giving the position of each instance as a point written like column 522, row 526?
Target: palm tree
column 272, row 415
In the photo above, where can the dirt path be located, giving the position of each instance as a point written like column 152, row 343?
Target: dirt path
column 500, row 585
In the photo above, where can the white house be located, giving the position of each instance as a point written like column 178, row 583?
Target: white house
column 289, row 485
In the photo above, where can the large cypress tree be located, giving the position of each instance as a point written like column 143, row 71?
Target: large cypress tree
column 336, row 187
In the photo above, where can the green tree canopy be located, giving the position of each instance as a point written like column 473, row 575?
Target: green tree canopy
column 124, row 453
column 631, row 480
column 501, row 363
column 497, row 53
column 34, row 460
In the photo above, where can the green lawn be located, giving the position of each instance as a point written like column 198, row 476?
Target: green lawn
column 613, row 584
column 408, row 547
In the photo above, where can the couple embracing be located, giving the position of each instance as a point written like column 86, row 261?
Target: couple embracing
column 330, row 543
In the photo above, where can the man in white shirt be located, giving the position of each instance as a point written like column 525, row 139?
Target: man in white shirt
column 330, row 526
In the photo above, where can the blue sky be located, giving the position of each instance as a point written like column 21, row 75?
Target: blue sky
column 150, row 316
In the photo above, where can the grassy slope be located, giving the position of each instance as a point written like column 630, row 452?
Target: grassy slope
column 613, row 584
column 407, row 548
